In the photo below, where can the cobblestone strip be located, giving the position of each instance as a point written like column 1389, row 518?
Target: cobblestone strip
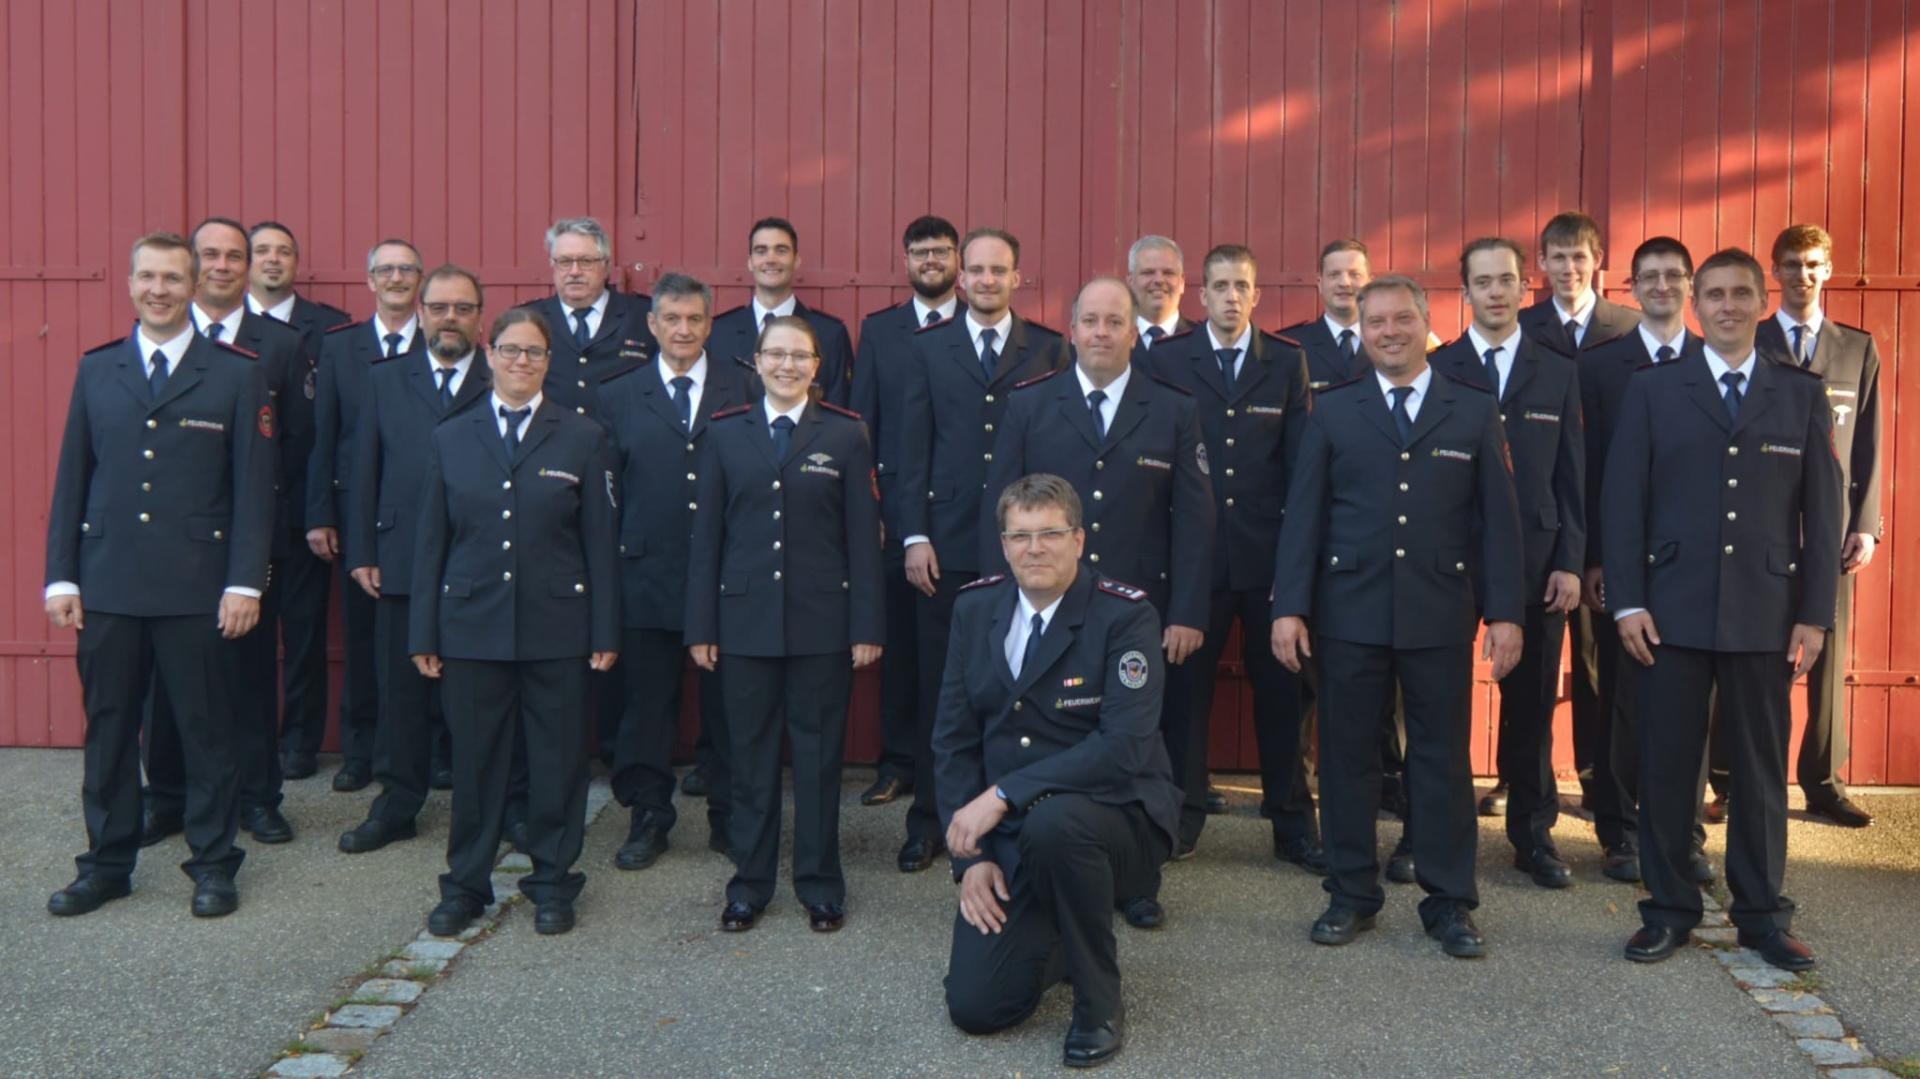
column 334, row 1044
column 1792, row 1000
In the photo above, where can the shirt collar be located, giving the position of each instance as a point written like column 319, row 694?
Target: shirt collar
column 1508, row 347
column 462, row 365
column 786, row 307
column 1113, row 389
column 174, row 347
column 1720, row 365
column 532, row 406
column 1788, row 322
column 1001, row 328
column 945, row 310
column 1334, row 327
column 1582, row 314
column 1141, row 325
column 1654, row 344
column 766, row 405
column 698, row 372
column 406, row 332
column 282, row 310
column 1419, row 384
column 1028, row 610
column 201, row 320
column 1244, row 342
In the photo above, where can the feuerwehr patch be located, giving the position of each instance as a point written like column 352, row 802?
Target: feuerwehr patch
column 1133, row 669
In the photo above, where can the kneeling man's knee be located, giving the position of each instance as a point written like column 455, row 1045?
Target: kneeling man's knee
column 1056, row 822
column 977, row 1010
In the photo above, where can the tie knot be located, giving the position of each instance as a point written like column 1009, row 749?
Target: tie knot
column 932, row 317
column 1731, row 380
column 1155, row 332
column 987, row 337
column 1493, row 351
column 580, row 313
column 783, row 423
column 1573, row 327
column 1037, row 626
column 515, row 415
column 1400, row 395
column 682, row 383
column 214, row 330
column 392, row 340
column 1227, row 355
column 1097, row 398
column 1664, row 354
column 160, row 361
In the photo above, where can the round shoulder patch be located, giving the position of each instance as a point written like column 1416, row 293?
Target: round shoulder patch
column 265, row 421
column 1133, row 669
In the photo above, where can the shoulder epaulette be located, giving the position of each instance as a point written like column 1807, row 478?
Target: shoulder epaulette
column 1342, row 384
column 231, row 347
column 622, row 374
column 108, row 344
column 1799, row 370
column 1170, row 384
column 1036, row 380
column 747, row 363
column 324, row 306
column 1177, row 335
column 983, row 582
column 1458, row 381
column 1649, row 365
column 811, row 313
column 841, row 409
column 1043, row 328
column 1119, row 588
column 1284, row 339
column 877, row 312
column 734, row 411
column 347, row 326
column 937, row 325
column 730, row 311
column 1850, row 326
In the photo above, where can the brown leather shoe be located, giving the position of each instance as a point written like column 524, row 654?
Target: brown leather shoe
column 1780, row 949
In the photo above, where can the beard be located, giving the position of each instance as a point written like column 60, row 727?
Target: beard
column 936, row 289
column 451, row 350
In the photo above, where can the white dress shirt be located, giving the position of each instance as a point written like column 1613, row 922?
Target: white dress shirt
column 406, row 333
column 1112, row 389
column 596, row 316
column 1023, row 627
column 794, row 413
column 1141, row 325
column 500, row 422
column 1502, row 360
column 762, row 314
column 460, row 367
column 944, row 311
column 282, row 310
column 1788, row 322
column 1243, row 343
column 1419, row 384
column 1582, row 316
column 698, row 373
column 1654, row 344
column 229, row 326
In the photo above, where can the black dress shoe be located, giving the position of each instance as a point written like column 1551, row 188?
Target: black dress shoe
column 1544, row 865
column 1144, row 912
column 214, row 896
column 826, row 917
column 1840, row 810
column 1494, row 802
column 1654, row 943
column 1184, row 849
column 267, row 824
column 646, row 842
column 86, row 894
column 554, row 917
column 1458, row 936
column 1623, row 863
column 695, row 785
column 352, row 776
column 885, row 789
column 1400, row 862
column 1700, row 870
column 919, row 853
column 1779, row 948
column 1090, row 1046
column 440, row 777
column 297, row 764
column 1715, row 811
column 515, row 833
column 1339, row 925
column 1216, row 801
column 156, row 826
column 1305, row 852
column 374, row 833
column 452, row 917
column 738, row 917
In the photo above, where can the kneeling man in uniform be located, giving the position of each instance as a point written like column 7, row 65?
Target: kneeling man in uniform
column 1053, row 781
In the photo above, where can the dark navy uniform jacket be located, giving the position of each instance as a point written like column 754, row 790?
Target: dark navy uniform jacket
column 1144, row 495
column 160, row 506
column 1083, row 717
column 1253, row 435
column 347, row 356
column 1609, row 322
column 1396, row 532
column 515, row 556
column 1846, row 360
column 951, row 413
column 390, row 461
column 656, row 466
column 299, row 404
column 879, row 395
column 1540, row 411
column 785, row 555
column 735, row 335
column 1144, row 345
column 1327, row 365
column 1604, row 374
column 622, row 343
column 1727, row 533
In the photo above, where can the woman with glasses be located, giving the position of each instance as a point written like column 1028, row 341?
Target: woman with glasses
column 514, row 599
column 784, row 601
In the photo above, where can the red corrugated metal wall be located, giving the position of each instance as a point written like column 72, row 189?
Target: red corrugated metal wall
column 1078, row 124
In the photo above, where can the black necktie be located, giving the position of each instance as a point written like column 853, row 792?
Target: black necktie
column 1402, row 419
column 1732, row 380
column 580, row 334
column 1034, row 629
column 932, row 317
column 1573, row 335
column 1665, row 354
column 1493, row 371
column 683, row 400
column 514, row 417
column 989, row 359
column 769, row 317
column 446, row 387
column 1346, row 344
column 1800, row 336
column 215, row 329
column 1226, row 356
column 157, row 377
column 782, row 436
column 1094, row 401
column 393, row 344
column 1154, row 334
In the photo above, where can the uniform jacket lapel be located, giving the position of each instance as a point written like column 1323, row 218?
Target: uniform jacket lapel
column 1761, row 384
column 1524, row 365
column 1377, row 410
column 133, row 371
column 187, row 374
column 1130, row 411
column 486, row 428
column 1436, row 406
column 1253, row 370
column 1059, row 635
column 544, row 423
column 1703, row 391
column 805, row 433
column 1078, row 414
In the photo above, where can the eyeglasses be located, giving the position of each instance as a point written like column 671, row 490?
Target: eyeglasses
column 928, row 254
column 780, row 356
column 579, row 263
column 1655, row 277
column 442, row 310
column 394, row 269
column 1046, row 538
column 511, row 353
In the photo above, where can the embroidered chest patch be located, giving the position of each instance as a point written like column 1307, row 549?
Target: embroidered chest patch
column 554, row 473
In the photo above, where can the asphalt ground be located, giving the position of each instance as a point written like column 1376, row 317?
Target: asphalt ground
column 647, row 985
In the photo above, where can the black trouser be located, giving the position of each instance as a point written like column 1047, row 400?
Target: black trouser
column 253, row 737
column 121, row 659
column 359, row 686
column 1823, row 745
column 655, row 661
column 1525, row 749
column 303, row 582
column 607, row 693
column 810, row 693
column 1076, row 856
column 410, row 709
column 901, row 729
column 933, row 623
column 1356, row 692
column 1614, row 791
column 495, row 709
column 1754, row 690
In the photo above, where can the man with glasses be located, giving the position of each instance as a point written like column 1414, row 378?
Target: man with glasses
column 598, row 331
column 1054, row 785
column 773, row 258
column 408, row 395
column 347, row 356
column 932, row 263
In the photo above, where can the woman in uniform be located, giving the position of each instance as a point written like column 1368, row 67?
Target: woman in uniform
column 514, row 599
column 784, row 601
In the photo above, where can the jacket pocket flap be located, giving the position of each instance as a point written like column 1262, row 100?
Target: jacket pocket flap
column 1783, row 560
column 1663, row 553
column 387, row 517
column 1341, row 561
column 572, row 584
column 633, row 546
column 209, row 529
